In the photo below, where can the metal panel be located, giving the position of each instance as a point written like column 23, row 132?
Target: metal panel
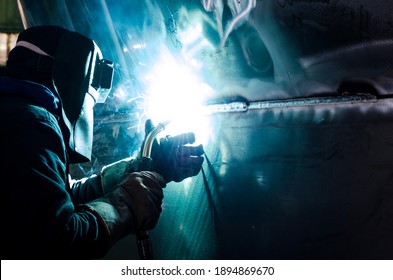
column 298, row 182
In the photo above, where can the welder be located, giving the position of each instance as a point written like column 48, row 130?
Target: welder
column 54, row 77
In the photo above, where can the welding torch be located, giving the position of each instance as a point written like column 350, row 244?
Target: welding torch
column 143, row 240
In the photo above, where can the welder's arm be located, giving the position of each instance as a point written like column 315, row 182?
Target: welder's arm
column 172, row 157
column 96, row 186
column 135, row 205
column 95, row 226
column 41, row 218
column 85, row 189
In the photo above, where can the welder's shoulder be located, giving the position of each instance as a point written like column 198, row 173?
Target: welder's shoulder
column 17, row 112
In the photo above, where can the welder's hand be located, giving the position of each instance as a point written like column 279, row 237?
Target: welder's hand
column 132, row 207
column 142, row 193
column 173, row 158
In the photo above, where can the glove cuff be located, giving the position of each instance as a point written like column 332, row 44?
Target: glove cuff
column 112, row 174
column 91, row 209
column 116, row 220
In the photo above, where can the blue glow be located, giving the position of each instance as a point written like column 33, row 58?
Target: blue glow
column 175, row 89
column 175, row 93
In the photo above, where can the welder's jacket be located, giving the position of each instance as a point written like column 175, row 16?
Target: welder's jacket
column 41, row 219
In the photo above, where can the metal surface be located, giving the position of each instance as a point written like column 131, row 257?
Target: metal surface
column 294, row 168
column 305, row 182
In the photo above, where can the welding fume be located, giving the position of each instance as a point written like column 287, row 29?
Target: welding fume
column 54, row 78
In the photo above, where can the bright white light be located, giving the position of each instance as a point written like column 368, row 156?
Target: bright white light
column 176, row 93
column 139, row 46
column 191, row 35
column 120, row 93
column 194, row 43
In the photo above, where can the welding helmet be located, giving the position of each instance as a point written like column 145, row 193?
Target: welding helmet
column 72, row 66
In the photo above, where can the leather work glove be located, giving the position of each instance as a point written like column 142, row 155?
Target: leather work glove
column 135, row 205
column 111, row 174
column 173, row 158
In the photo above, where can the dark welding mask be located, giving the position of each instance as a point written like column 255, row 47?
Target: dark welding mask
column 82, row 78
column 72, row 66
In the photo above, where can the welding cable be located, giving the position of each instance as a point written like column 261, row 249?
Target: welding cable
column 143, row 240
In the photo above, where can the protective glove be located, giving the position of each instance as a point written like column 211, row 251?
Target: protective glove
column 111, row 174
column 173, row 158
column 135, row 205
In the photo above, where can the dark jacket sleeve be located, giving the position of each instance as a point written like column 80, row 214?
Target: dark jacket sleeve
column 86, row 189
column 41, row 220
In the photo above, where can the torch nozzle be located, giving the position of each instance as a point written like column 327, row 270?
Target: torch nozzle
column 146, row 152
